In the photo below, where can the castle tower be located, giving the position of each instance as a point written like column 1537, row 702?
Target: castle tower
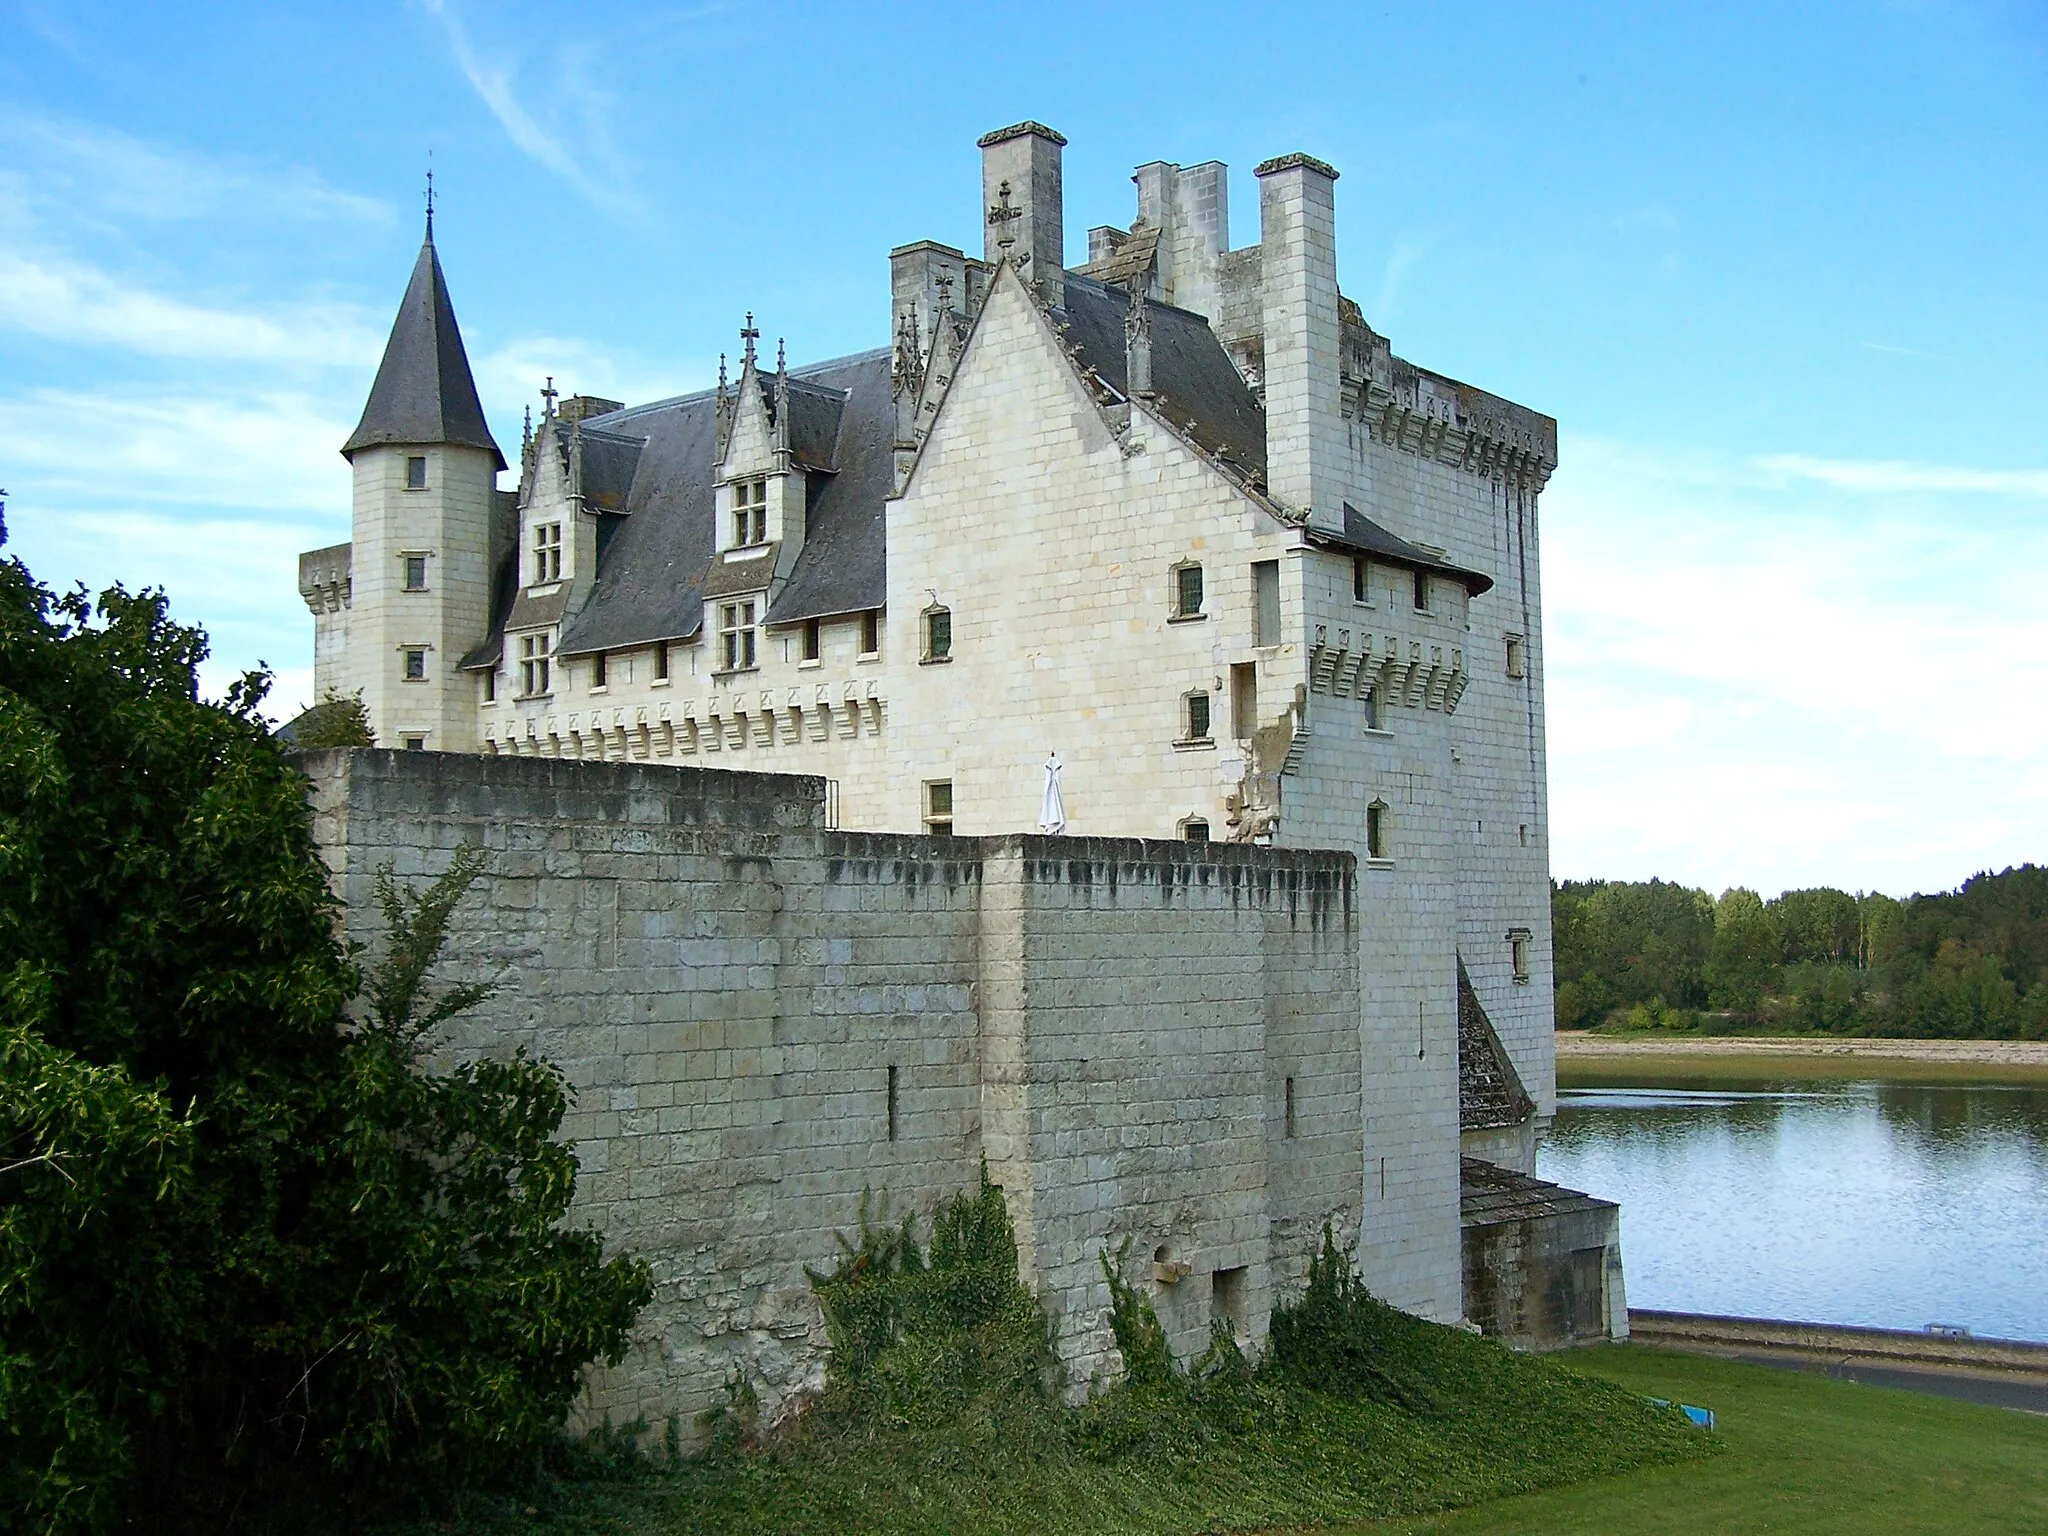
column 426, row 469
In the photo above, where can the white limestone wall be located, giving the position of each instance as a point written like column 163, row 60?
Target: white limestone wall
column 1495, row 755
column 450, row 523
column 728, row 986
column 1054, row 549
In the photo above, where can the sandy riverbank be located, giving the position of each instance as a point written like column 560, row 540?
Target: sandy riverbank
column 1585, row 1056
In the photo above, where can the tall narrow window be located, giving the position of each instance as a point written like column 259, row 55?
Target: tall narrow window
column 1361, row 580
column 1187, row 592
column 938, row 807
column 814, row 639
column 1196, row 708
column 871, row 633
column 416, row 472
column 1421, row 592
column 938, row 634
column 1517, row 667
column 1371, row 700
column 536, row 666
column 1376, row 830
column 892, row 1104
column 1287, row 1112
column 491, row 685
column 1244, row 700
column 547, row 553
column 1518, row 953
column 736, row 636
column 1266, row 599
column 600, row 671
column 415, row 573
column 661, row 661
column 415, row 664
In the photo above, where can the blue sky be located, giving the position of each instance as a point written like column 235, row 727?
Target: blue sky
column 1776, row 270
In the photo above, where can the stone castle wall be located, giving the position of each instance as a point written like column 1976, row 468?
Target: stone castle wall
column 763, row 1021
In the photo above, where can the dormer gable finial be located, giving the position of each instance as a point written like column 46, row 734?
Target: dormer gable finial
column 721, row 375
column 1004, row 217
column 749, row 334
column 549, row 394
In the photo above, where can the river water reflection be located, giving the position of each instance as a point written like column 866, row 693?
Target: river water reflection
column 1886, row 1204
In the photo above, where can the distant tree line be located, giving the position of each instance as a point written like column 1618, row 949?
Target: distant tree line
column 1970, row 963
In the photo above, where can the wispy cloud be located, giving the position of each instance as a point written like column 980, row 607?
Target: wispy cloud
column 1749, row 685
column 494, row 78
column 67, row 300
column 89, row 171
column 1402, row 260
column 1893, row 476
column 1881, row 346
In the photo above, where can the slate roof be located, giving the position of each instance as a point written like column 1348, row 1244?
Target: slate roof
column 1363, row 536
column 424, row 394
column 656, row 558
column 1196, row 385
column 1489, row 1092
column 1491, row 1196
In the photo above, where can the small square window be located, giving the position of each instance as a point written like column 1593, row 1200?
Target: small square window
column 415, row 664
column 871, row 633
column 938, row 807
column 1517, row 664
column 814, row 639
column 1197, row 705
column 1194, row 830
column 415, row 743
column 416, row 472
column 415, row 573
column 938, row 634
column 1187, row 592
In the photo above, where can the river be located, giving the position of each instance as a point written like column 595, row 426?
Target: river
column 1882, row 1204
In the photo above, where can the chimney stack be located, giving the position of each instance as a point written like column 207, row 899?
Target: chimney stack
column 1303, row 337
column 1021, row 201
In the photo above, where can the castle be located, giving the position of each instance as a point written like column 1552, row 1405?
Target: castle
column 1177, row 517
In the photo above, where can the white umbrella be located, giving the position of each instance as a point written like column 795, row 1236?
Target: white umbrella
column 1052, row 810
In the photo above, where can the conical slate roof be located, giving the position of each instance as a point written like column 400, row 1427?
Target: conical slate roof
column 424, row 394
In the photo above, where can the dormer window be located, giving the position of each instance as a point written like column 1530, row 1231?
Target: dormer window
column 416, row 472
column 749, row 513
column 547, row 553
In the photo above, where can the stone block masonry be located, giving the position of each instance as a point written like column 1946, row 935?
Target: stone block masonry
column 765, row 1022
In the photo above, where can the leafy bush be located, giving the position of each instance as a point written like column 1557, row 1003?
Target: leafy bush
column 246, row 1245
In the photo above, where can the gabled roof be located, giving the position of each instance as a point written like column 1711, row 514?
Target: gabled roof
column 425, row 394
column 1195, row 385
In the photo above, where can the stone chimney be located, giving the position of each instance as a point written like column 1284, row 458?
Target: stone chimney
column 1190, row 207
column 1021, row 200
column 1303, row 337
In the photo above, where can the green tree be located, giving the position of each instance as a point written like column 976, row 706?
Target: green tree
column 246, row 1239
column 1746, row 953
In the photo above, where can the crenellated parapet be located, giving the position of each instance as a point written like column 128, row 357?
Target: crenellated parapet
column 326, row 578
column 1427, row 414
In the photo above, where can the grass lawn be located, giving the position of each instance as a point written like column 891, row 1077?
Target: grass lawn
column 1805, row 1454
